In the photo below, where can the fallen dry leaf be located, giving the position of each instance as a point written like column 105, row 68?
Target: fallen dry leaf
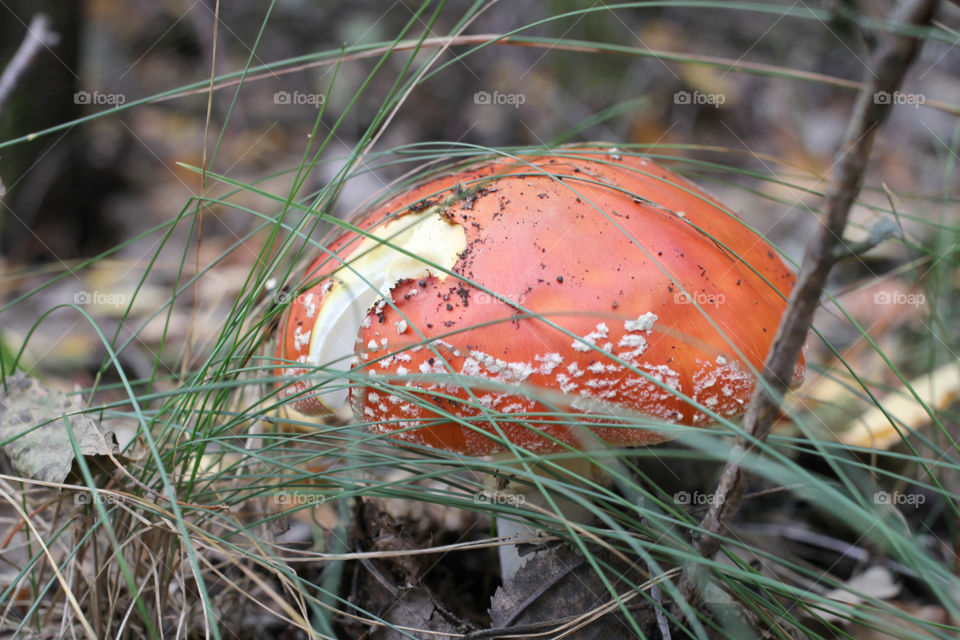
column 873, row 429
column 875, row 582
column 34, row 430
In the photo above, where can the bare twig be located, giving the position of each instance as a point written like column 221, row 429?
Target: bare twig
column 662, row 623
column 38, row 36
column 887, row 68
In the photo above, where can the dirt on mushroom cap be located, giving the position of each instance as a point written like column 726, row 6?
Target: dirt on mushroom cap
column 574, row 295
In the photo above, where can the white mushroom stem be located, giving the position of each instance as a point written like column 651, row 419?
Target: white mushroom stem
column 525, row 495
column 510, row 559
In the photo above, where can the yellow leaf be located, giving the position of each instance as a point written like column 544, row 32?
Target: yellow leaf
column 874, row 430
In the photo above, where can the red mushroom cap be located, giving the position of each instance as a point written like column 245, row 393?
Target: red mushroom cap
column 572, row 290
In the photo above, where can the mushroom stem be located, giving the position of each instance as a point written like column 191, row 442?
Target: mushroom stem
column 510, row 559
column 502, row 489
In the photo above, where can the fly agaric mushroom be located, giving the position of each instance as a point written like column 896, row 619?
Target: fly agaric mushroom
column 501, row 291
column 574, row 272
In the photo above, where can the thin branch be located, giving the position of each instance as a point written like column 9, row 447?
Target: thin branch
column 38, row 36
column 888, row 65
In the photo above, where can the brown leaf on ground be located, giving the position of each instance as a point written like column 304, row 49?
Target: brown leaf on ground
column 557, row 590
column 391, row 587
column 35, row 427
